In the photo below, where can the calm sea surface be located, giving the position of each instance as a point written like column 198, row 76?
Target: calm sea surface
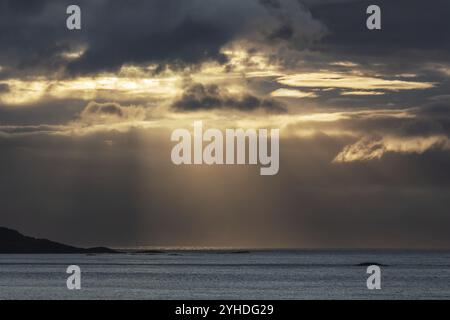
column 207, row 275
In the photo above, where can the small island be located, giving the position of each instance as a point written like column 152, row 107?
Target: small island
column 13, row 242
column 368, row 264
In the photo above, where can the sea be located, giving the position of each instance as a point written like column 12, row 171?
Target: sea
column 206, row 274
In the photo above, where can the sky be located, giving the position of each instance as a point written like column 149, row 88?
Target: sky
column 364, row 116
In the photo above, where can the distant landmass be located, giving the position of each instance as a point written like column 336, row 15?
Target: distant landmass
column 11, row 241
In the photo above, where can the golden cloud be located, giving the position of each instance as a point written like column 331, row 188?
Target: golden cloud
column 289, row 93
column 325, row 79
column 370, row 148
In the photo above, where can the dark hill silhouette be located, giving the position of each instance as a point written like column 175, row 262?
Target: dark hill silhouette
column 11, row 241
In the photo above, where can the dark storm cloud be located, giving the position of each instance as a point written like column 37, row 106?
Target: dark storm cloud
column 197, row 96
column 271, row 4
column 407, row 28
column 284, row 30
column 153, row 31
column 25, row 8
column 34, row 36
